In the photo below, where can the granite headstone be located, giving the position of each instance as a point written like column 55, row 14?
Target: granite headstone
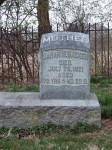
column 64, row 66
column 64, row 97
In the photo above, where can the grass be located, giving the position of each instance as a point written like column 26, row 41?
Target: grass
column 60, row 142
column 102, row 87
column 48, row 129
column 53, row 137
column 47, row 137
column 22, row 88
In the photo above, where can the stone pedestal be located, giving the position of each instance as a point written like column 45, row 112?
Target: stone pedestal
column 27, row 110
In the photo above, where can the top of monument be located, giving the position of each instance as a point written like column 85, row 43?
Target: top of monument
column 64, row 39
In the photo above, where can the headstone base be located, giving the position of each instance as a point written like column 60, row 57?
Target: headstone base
column 27, row 110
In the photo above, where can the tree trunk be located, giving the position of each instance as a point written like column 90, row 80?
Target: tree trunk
column 43, row 18
column 1, row 2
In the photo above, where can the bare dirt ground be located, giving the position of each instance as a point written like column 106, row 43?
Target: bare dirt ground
column 105, row 128
column 107, row 124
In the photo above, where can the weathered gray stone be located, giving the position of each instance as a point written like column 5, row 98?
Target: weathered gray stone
column 65, row 97
column 64, row 66
column 27, row 110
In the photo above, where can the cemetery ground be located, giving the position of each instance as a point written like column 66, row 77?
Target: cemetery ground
column 53, row 137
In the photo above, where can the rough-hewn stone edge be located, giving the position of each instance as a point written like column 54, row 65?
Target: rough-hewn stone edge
column 29, row 115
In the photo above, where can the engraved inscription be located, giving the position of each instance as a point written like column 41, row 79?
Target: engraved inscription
column 65, row 68
column 71, row 37
column 64, row 62
column 78, row 69
column 54, row 68
column 65, row 54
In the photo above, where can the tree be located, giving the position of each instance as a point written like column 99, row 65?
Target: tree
column 80, row 11
column 1, row 2
column 18, row 45
column 43, row 18
column 19, row 13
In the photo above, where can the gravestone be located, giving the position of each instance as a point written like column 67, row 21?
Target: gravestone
column 64, row 67
column 64, row 97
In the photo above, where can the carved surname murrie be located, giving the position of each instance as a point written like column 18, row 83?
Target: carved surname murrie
column 64, row 66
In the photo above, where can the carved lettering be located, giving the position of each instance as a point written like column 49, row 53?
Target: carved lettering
column 55, row 81
column 63, row 81
column 54, row 38
column 65, row 54
column 65, row 62
column 78, row 38
column 45, row 81
column 77, row 69
column 46, row 39
column 76, row 81
column 70, row 37
column 65, row 67
column 66, row 80
column 67, row 37
column 67, row 75
column 54, row 68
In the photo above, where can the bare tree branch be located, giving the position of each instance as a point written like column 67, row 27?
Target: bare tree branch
column 2, row 1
